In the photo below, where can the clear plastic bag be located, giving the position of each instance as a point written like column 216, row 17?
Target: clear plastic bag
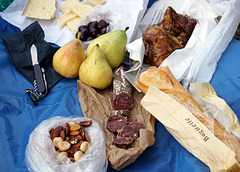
column 41, row 155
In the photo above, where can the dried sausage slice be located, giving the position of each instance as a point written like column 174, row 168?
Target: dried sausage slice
column 116, row 122
column 119, row 141
column 136, row 125
column 122, row 102
column 127, row 131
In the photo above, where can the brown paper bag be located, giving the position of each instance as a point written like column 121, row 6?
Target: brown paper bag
column 96, row 104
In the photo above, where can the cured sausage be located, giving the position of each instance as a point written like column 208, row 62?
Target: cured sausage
column 122, row 90
column 136, row 125
column 121, row 141
column 122, row 101
column 127, row 131
column 116, row 122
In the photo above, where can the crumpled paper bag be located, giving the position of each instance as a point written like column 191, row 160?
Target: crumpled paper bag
column 96, row 104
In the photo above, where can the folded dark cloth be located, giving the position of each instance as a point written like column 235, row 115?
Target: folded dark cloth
column 18, row 49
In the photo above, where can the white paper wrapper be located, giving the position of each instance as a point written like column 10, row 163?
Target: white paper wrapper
column 189, row 131
column 41, row 155
column 198, row 60
column 122, row 13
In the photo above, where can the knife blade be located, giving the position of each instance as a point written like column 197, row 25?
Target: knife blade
column 37, row 70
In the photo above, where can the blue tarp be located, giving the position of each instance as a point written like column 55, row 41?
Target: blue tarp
column 19, row 117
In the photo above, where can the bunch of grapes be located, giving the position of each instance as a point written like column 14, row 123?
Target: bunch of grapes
column 92, row 30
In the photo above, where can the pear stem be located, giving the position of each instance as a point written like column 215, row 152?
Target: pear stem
column 79, row 34
column 126, row 28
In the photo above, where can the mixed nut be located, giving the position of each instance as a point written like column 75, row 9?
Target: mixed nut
column 71, row 141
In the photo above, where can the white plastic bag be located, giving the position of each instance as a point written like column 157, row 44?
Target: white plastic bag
column 41, row 155
column 198, row 60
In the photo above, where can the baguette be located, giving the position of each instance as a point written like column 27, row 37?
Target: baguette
column 164, row 80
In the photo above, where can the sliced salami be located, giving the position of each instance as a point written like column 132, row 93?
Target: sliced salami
column 120, row 141
column 122, row 102
column 116, row 122
column 127, row 131
column 136, row 125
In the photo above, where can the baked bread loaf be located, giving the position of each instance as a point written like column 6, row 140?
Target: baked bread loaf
column 164, row 80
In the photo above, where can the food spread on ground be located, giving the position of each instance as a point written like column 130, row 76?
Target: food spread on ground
column 100, row 68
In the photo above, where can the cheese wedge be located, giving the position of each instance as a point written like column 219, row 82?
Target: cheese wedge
column 80, row 9
column 44, row 9
column 65, row 8
column 66, row 18
column 73, row 24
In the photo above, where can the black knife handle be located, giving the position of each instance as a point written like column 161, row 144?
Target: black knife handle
column 39, row 78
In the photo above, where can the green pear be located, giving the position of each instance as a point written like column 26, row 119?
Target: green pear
column 67, row 59
column 113, row 45
column 95, row 70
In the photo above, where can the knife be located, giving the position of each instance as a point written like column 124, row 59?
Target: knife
column 39, row 81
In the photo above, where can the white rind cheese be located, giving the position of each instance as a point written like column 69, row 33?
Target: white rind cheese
column 73, row 24
column 40, row 9
column 66, row 18
column 80, row 9
column 65, row 8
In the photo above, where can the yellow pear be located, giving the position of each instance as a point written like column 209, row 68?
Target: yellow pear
column 113, row 45
column 67, row 60
column 95, row 70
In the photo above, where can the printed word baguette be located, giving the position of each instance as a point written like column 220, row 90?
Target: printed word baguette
column 164, row 80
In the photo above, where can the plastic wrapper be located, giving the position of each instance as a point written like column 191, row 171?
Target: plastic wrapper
column 120, row 83
column 217, row 21
column 206, row 96
column 42, row 156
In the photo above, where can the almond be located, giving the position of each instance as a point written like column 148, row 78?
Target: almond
column 74, row 133
column 62, row 134
column 87, row 138
column 75, row 127
column 67, row 128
